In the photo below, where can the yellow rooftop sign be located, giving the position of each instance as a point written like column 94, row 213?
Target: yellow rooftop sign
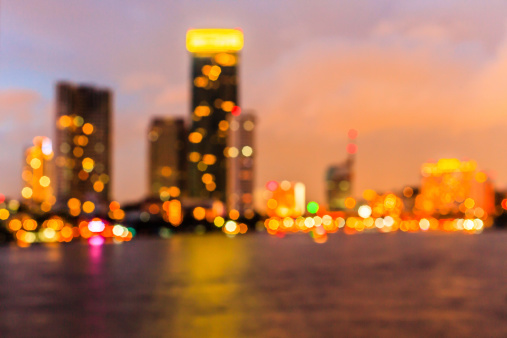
column 216, row 40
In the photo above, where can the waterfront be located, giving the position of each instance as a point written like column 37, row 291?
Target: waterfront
column 398, row 284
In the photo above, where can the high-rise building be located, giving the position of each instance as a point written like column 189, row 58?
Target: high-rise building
column 83, row 147
column 451, row 187
column 339, row 177
column 241, row 163
column 37, row 175
column 339, row 184
column 167, row 157
column 215, row 60
column 285, row 199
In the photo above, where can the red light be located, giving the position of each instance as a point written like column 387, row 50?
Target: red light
column 272, row 185
column 236, row 111
column 2, row 198
column 351, row 148
column 504, row 204
column 352, row 134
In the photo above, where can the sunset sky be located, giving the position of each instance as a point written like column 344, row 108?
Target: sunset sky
column 418, row 79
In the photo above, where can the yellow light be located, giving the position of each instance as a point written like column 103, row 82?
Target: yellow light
column 209, row 159
column 174, row 191
column 88, row 207
column 26, row 192
column 88, row 164
column 15, row 225
column 227, row 106
column 219, row 221
column 64, row 122
column 44, row 181
column 225, row 59
column 214, row 40
column 350, row 202
column 194, row 156
column 202, row 111
column 469, row 203
column 195, row 137
column 74, row 203
column 223, row 125
column 199, row 213
column 247, row 151
column 88, row 128
column 35, row 163
column 98, row 186
column 207, row 178
column 234, row 214
column 4, row 214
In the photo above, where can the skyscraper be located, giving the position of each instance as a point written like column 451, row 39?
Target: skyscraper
column 339, row 178
column 241, row 163
column 37, row 175
column 339, row 184
column 215, row 60
column 83, row 147
column 167, row 157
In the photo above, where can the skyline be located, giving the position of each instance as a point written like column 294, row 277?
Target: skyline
column 383, row 70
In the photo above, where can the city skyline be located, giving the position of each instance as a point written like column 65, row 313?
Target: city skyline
column 415, row 91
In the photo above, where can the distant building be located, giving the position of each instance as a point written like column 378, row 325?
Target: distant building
column 37, row 175
column 241, row 164
column 83, row 147
column 339, row 184
column 452, row 187
column 285, row 199
column 167, row 157
column 339, row 178
column 215, row 61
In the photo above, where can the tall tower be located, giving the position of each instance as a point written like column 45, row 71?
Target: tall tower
column 167, row 157
column 339, row 178
column 215, row 60
column 83, row 147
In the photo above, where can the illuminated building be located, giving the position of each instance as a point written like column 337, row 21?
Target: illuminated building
column 285, row 199
column 215, row 59
column 167, row 157
column 241, row 163
column 451, row 187
column 83, row 147
column 339, row 177
column 37, row 175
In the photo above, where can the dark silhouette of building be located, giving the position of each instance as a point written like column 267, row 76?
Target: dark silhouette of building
column 339, row 184
column 167, row 157
column 215, row 60
column 83, row 146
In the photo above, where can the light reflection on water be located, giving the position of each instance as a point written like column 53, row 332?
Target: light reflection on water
column 258, row 286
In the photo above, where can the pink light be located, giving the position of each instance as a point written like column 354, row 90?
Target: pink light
column 352, row 134
column 96, row 240
column 351, row 148
column 272, row 185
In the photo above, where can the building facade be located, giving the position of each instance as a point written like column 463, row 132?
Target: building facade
column 167, row 157
column 215, row 62
column 83, row 146
column 38, row 176
column 339, row 184
column 241, row 163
